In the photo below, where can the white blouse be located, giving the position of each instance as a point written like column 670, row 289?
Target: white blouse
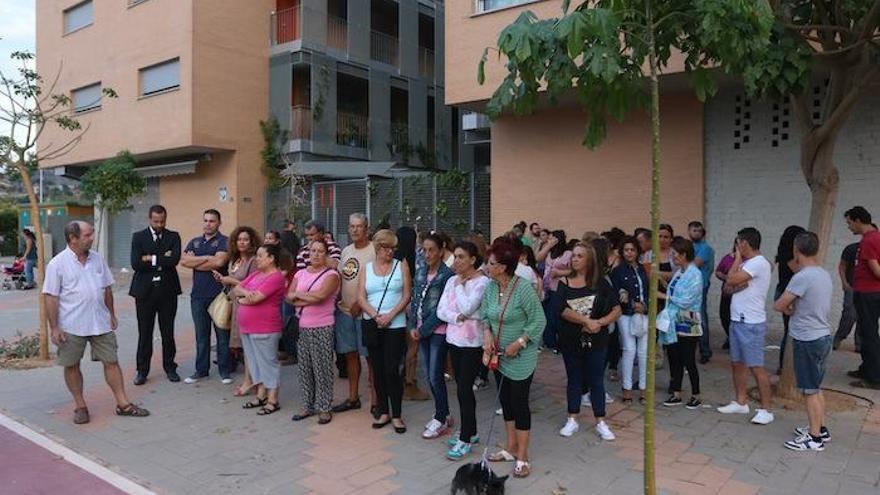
column 463, row 299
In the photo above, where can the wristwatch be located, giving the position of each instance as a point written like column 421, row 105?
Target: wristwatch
column 523, row 342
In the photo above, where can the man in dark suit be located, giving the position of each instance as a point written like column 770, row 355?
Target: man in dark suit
column 155, row 252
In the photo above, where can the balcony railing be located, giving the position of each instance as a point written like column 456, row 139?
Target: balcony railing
column 301, row 122
column 384, row 48
column 337, row 33
column 286, row 25
column 426, row 62
column 352, row 130
column 399, row 137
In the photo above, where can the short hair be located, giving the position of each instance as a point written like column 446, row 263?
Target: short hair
column 472, row 250
column 858, row 213
column 698, row 224
column 323, row 242
column 314, row 224
column 384, row 237
column 642, row 231
column 505, row 253
column 158, row 209
column 751, row 236
column 533, row 224
column 667, row 228
column 807, row 243
column 72, row 230
column 629, row 240
column 436, row 239
column 359, row 216
column 212, row 211
column 683, row 246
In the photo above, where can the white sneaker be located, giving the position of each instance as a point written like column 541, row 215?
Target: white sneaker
column 226, row 381
column 433, row 429
column 585, row 400
column 734, row 408
column 604, row 431
column 763, row 417
column 571, row 427
column 191, row 379
column 805, row 442
column 499, row 411
column 608, row 398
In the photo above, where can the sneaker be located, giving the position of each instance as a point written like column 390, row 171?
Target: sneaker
column 455, row 439
column 824, row 434
column 672, row 401
column 605, row 432
column 458, row 451
column 434, row 429
column 571, row 427
column 608, row 398
column 194, row 378
column 694, row 403
column 805, row 442
column 763, row 417
column 734, row 408
column 480, row 384
column 226, row 380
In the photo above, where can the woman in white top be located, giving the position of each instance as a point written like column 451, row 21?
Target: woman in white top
column 459, row 307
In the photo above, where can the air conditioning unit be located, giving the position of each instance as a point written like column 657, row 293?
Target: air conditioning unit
column 473, row 121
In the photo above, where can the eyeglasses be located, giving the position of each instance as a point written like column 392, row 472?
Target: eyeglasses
column 386, row 246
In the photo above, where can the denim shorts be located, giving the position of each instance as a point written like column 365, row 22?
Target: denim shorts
column 747, row 343
column 809, row 363
column 349, row 336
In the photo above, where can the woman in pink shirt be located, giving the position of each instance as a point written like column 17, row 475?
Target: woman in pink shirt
column 313, row 292
column 557, row 265
column 259, row 321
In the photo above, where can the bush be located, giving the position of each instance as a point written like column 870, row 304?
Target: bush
column 8, row 230
column 25, row 346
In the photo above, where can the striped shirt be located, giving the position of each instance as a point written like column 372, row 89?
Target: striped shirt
column 302, row 259
column 80, row 291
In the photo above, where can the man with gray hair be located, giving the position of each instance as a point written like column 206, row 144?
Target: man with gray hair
column 79, row 301
column 315, row 230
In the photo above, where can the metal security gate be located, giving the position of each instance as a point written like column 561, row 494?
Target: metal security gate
column 334, row 201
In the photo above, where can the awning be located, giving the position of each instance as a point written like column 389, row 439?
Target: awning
column 168, row 169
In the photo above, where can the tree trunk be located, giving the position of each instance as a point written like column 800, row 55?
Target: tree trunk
column 101, row 229
column 41, row 255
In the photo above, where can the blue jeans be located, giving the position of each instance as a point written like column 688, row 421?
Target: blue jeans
column 433, row 351
column 550, row 335
column 202, row 323
column 705, row 348
column 587, row 368
column 29, row 271
column 809, row 363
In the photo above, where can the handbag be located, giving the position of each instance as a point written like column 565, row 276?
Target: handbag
column 291, row 326
column 220, row 310
column 369, row 327
column 491, row 360
column 639, row 325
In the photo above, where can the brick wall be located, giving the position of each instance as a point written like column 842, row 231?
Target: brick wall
column 761, row 185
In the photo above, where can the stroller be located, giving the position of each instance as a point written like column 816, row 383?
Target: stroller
column 13, row 276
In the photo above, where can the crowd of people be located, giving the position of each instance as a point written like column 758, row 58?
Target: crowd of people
column 468, row 308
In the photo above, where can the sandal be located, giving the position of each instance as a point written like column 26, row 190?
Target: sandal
column 132, row 411
column 241, row 390
column 253, row 404
column 642, row 400
column 324, row 418
column 522, row 469
column 302, row 415
column 627, row 401
column 501, row 456
column 269, row 408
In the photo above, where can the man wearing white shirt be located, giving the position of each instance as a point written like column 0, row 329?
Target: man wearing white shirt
column 79, row 300
column 749, row 276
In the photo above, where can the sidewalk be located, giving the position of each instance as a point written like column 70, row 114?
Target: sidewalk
column 199, row 440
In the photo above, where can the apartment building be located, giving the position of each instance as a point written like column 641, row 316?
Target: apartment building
column 192, row 80
column 731, row 162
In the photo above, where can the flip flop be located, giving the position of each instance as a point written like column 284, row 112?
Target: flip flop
column 501, row 456
column 522, row 469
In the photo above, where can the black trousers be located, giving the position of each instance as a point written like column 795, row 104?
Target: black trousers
column 724, row 313
column 466, row 362
column 682, row 354
column 514, row 398
column 163, row 305
column 385, row 359
column 868, row 310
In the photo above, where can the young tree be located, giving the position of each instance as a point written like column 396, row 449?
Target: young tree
column 110, row 186
column 27, row 106
column 604, row 51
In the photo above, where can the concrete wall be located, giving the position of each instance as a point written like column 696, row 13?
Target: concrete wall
column 542, row 173
column 762, row 186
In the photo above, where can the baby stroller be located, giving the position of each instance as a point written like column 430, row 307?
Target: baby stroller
column 13, row 276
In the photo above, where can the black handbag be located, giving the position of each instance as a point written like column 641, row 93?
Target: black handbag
column 291, row 326
column 369, row 328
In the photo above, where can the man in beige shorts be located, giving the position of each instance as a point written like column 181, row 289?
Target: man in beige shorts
column 79, row 300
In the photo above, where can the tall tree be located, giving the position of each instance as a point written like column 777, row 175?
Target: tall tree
column 27, row 106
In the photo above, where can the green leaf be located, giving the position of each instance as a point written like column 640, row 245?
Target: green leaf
column 481, row 67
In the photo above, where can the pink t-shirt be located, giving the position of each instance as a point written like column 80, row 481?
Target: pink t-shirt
column 320, row 314
column 562, row 262
column 264, row 317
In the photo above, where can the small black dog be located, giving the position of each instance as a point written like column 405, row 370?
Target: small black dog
column 477, row 479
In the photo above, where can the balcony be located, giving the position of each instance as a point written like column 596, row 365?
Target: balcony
column 352, row 130
column 286, row 25
column 337, row 33
column 384, row 48
column 426, row 63
column 400, row 139
column 300, row 122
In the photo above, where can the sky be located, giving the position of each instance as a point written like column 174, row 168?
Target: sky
column 18, row 33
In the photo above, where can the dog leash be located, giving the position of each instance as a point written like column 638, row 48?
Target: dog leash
column 484, row 460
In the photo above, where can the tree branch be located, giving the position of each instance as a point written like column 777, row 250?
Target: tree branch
column 843, row 109
column 869, row 23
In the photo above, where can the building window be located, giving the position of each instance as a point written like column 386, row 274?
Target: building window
column 486, row 5
column 86, row 98
column 160, row 77
column 79, row 16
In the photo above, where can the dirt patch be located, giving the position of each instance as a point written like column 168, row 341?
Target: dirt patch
column 835, row 401
column 25, row 363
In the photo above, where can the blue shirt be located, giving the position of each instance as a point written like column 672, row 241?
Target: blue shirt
column 204, row 285
column 705, row 252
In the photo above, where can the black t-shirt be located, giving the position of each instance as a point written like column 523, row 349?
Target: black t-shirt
column 849, row 257
column 595, row 302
